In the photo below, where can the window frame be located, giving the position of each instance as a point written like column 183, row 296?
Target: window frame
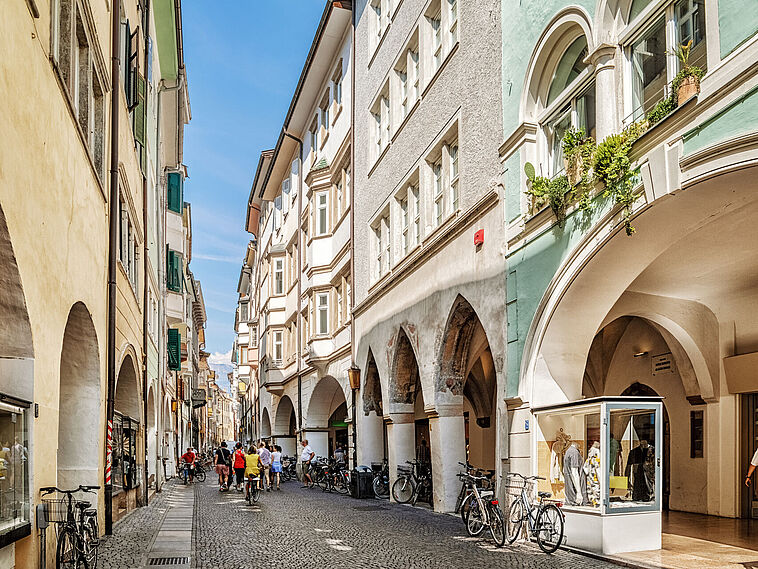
column 277, row 281
column 322, row 313
column 321, row 214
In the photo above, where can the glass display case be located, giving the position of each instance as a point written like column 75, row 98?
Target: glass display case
column 602, row 457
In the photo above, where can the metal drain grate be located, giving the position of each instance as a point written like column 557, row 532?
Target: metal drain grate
column 369, row 508
column 169, row 561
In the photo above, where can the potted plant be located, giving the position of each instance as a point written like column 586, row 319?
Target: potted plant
column 686, row 84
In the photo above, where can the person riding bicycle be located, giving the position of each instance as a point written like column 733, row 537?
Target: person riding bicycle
column 252, row 465
column 239, row 466
column 222, row 461
column 189, row 458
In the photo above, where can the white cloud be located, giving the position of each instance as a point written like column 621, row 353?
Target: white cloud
column 218, row 258
column 219, row 358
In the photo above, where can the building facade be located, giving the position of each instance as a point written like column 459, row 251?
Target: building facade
column 54, row 346
column 639, row 284
column 428, row 246
column 300, row 264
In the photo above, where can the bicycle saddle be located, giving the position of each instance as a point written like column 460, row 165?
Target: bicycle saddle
column 544, row 494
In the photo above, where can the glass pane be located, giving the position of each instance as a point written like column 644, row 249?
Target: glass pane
column 690, row 20
column 568, row 68
column 568, row 456
column 649, row 69
column 556, row 130
column 585, row 111
column 14, row 473
column 632, row 457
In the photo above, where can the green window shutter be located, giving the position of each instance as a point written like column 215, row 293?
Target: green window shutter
column 174, row 269
column 174, row 349
column 140, row 119
column 175, row 192
column 179, row 268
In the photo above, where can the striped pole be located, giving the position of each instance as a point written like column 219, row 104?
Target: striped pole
column 109, row 454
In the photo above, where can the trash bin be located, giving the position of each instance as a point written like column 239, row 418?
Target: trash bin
column 361, row 482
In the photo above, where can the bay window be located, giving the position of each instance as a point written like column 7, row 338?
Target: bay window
column 322, row 313
column 439, row 196
column 321, row 213
column 278, row 347
column 279, row 276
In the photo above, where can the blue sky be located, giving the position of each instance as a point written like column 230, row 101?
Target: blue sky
column 243, row 60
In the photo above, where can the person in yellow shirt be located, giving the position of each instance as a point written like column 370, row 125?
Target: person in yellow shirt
column 252, row 465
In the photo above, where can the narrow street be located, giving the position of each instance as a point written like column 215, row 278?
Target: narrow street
column 306, row 528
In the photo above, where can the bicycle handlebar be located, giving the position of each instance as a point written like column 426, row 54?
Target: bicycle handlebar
column 525, row 477
column 50, row 489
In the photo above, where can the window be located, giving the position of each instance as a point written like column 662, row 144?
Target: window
column 14, row 467
column 322, row 313
column 128, row 247
column 313, row 135
column 650, row 55
column 254, row 336
column 285, row 196
column 380, row 112
column 243, row 355
column 279, row 276
column 575, row 112
column 381, row 13
column 454, row 177
column 243, row 311
column 339, row 197
column 277, row 212
column 378, row 249
column 439, row 205
column 324, row 117
column 74, row 61
column 416, row 202
column 321, row 213
column 278, row 347
column 174, row 271
column 338, row 295
column 337, row 85
column 414, row 70
column 404, row 225
column 452, row 22
column 436, row 22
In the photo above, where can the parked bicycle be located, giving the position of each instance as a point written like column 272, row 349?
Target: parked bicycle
column 336, row 478
column 318, row 472
column 484, row 510
column 466, row 495
column 381, row 483
column 75, row 525
column 191, row 472
column 413, row 483
column 544, row 520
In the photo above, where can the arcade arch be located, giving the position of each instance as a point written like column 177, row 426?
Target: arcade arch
column 265, row 425
column 327, row 417
column 285, row 426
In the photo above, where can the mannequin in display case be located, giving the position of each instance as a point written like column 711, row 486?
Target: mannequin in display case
column 576, row 485
column 640, row 465
column 592, row 473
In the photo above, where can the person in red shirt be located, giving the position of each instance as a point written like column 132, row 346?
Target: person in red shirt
column 239, row 466
column 189, row 458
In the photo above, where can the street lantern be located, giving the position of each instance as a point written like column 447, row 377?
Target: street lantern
column 354, row 375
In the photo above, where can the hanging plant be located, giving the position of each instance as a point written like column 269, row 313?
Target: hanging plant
column 557, row 193
column 578, row 151
column 613, row 168
column 686, row 84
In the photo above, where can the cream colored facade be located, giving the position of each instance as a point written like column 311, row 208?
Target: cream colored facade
column 54, row 169
column 300, row 274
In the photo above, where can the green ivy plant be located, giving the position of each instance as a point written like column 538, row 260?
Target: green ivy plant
column 557, row 193
column 661, row 109
column 578, row 150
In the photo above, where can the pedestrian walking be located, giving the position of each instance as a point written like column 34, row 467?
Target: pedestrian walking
column 276, row 465
column 265, row 455
column 339, row 454
column 222, row 461
column 239, row 466
column 188, row 465
column 305, row 458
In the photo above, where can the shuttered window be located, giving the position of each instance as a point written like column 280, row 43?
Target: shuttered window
column 175, row 192
column 174, row 270
column 174, row 349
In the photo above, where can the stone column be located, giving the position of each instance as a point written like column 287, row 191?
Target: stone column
column 447, row 432
column 401, row 432
column 370, row 438
column 319, row 441
column 608, row 105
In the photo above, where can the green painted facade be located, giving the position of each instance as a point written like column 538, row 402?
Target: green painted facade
column 741, row 117
column 738, row 20
column 165, row 28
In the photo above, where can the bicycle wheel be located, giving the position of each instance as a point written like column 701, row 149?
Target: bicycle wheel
column 475, row 520
column 403, row 490
column 549, row 528
column 380, row 488
column 248, row 494
column 466, row 506
column 67, row 555
column 514, row 521
column 497, row 525
column 91, row 541
column 343, row 486
column 255, row 493
column 200, row 475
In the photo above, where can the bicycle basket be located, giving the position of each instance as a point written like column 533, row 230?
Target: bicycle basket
column 55, row 510
column 514, row 486
column 377, row 467
column 404, row 470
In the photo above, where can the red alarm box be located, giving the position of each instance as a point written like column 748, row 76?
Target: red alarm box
column 479, row 237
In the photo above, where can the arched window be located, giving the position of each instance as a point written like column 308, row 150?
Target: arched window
column 570, row 102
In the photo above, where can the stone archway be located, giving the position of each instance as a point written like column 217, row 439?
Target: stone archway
column 373, row 431
column 285, row 426
column 265, row 425
column 80, row 388
column 128, row 443
column 322, row 434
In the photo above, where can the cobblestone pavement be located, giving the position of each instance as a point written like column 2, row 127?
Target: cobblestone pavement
column 304, row 528
column 133, row 535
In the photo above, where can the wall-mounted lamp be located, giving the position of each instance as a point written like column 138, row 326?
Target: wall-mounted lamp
column 354, row 376
column 640, row 354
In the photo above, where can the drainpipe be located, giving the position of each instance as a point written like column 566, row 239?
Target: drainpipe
column 300, row 250
column 112, row 255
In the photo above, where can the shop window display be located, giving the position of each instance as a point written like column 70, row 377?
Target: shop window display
column 601, row 454
column 125, row 471
column 14, row 467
